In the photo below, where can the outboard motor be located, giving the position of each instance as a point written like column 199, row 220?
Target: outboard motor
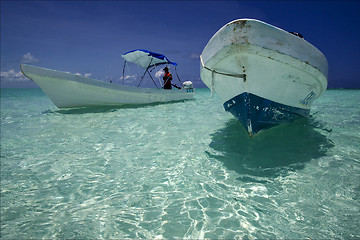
column 188, row 85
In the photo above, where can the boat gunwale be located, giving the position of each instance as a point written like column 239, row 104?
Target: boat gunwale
column 301, row 65
column 322, row 67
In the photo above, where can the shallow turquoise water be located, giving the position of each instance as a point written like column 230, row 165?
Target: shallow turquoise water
column 177, row 170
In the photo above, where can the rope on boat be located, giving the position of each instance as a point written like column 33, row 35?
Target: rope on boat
column 222, row 73
column 213, row 72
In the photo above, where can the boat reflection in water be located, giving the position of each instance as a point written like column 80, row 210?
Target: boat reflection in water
column 271, row 153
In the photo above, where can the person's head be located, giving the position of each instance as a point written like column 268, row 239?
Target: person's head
column 166, row 69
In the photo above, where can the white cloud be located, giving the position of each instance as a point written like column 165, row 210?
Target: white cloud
column 13, row 76
column 28, row 58
column 130, row 80
column 79, row 74
column 195, row 56
column 128, row 77
column 159, row 73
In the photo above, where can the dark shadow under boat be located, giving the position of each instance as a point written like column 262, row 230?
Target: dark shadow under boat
column 272, row 153
column 104, row 109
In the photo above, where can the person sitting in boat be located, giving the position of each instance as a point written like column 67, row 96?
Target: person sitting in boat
column 167, row 78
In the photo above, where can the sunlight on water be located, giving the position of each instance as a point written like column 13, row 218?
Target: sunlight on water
column 178, row 170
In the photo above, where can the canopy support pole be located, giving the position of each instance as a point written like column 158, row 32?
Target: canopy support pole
column 142, row 78
column 123, row 79
column 145, row 73
column 177, row 75
column 152, row 79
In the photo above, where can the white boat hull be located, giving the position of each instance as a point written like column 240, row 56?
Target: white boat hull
column 264, row 75
column 67, row 90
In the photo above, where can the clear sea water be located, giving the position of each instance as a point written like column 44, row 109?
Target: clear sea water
column 177, row 170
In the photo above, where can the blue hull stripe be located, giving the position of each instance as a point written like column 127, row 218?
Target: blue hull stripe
column 257, row 113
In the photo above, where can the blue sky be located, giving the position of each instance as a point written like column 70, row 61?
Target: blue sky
column 88, row 37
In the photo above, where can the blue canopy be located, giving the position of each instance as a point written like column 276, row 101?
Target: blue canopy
column 145, row 58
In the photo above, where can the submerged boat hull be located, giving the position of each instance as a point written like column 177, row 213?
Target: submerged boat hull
column 67, row 90
column 264, row 75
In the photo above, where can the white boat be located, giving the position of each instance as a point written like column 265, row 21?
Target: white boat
column 68, row 90
column 264, row 75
